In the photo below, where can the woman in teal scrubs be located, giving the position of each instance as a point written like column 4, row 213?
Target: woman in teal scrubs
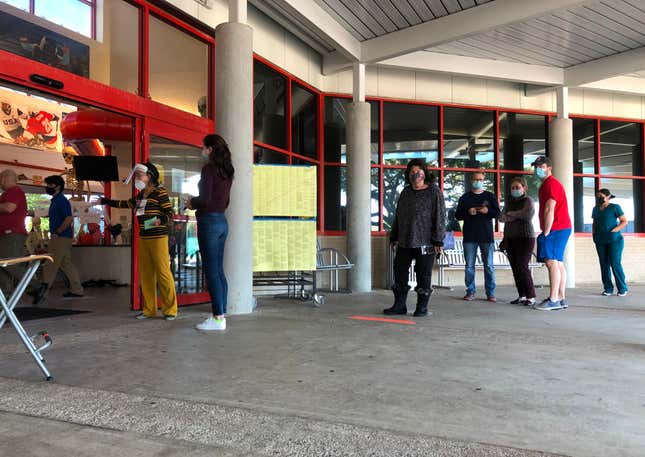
column 608, row 221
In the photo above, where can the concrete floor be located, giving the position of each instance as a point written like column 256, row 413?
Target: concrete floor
column 475, row 379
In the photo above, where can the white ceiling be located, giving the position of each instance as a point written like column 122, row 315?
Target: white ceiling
column 561, row 39
column 366, row 19
column 590, row 43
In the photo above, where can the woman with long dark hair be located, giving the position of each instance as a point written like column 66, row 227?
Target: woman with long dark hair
column 417, row 233
column 212, row 227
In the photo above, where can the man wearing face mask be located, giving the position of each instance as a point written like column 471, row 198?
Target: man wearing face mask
column 555, row 224
column 417, row 231
column 154, row 213
column 478, row 208
column 61, row 224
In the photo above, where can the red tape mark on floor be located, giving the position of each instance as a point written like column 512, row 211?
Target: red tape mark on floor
column 382, row 319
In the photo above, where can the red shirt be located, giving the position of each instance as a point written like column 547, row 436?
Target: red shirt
column 552, row 189
column 14, row 222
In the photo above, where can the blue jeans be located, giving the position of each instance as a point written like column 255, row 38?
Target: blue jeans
column 212, row 230
column 610, row 256
column 470, row 254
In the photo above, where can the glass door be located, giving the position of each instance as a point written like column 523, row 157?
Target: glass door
column 177, row 155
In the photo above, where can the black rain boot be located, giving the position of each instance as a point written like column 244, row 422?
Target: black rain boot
column 423, row 297
column 400, row 297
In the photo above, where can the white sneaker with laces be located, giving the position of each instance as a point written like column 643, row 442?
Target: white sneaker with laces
column 212, row 324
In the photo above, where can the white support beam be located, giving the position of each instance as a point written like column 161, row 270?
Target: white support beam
column 358, row 87
column 316, row 18
column 620, row 84
column 480, row 19
column 562, row 102
column 478, row 68
column 237, row 11
column 607, row 67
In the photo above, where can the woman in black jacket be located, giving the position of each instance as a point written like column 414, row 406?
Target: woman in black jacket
column 417, row 233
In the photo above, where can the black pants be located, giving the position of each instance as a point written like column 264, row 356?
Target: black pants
column 519, row 253
column 422, row 267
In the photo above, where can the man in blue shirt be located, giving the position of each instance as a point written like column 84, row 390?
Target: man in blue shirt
column 478, row 208
column 61, row 222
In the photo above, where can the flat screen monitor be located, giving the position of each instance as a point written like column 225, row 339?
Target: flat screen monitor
column 96, row 168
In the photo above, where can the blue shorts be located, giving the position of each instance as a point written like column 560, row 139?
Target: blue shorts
column 552, row 247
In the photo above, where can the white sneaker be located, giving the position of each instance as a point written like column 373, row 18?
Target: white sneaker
column 211, row 324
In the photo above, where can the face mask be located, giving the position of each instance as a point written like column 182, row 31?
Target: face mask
column 139, row 185
column 50, row 190
column 517, row 193
column 417, row 175
column 600, row 200
column 205, row 155
column 477, row 185
column 540, row 173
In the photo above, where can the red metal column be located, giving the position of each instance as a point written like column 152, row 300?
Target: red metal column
column 321, row 163
column 381, row 170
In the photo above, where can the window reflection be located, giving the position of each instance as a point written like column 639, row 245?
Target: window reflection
column 621, row 148
column 628, row 194
column 410, row 131
column 335, row 129
column 304, row 122
column 468, row 138
column 522, row 138
column 269, row 121
column 584, row 152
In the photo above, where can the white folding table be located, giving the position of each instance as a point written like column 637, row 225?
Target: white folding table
column 7, row 313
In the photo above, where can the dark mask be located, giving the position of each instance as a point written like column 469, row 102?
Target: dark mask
column 416, row 175
column 600, row 200
column 50, row 190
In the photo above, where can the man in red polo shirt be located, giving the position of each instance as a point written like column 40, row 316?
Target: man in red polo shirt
column 555, row 224
column 13, row 211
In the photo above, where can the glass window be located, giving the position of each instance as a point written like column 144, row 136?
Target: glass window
column 269, row 121
column 584, row 199
column 410, row 131
column 124, row 56
column 393, row 184
column 522, row 138
column 629, row 195
column 178, row 67
column 304, row 122
column 468, row 138
column 268, row 156
column 335, row 129
column 180, row 168
column 621, row 151
column 22, row 4
column 584, row 151
column 71, row 14
column 375, row 205
column 335, row 198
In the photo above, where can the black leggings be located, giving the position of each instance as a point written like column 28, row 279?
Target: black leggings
column 422, row 267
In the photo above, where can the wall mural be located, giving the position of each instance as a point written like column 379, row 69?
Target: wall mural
column 37, row 43
column 31, row 121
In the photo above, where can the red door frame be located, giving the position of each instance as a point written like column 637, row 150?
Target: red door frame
column 155, row 127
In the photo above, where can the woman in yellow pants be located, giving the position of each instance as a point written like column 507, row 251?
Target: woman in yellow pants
column 154, row 213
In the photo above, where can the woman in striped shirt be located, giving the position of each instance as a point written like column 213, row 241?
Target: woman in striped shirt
column 154, row 213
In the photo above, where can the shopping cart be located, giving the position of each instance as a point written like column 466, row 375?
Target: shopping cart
column 6, row 312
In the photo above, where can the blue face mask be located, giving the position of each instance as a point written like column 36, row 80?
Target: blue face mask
column 477, row 185
column 516, row 193
column 540, row 173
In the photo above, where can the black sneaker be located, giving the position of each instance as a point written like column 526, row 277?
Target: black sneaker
column 518, row 301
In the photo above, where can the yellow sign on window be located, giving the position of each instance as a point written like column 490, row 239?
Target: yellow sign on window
column 284, row 245
column 284, row 191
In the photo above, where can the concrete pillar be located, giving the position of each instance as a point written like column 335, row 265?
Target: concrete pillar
column 234, row 121
column 561, row 154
